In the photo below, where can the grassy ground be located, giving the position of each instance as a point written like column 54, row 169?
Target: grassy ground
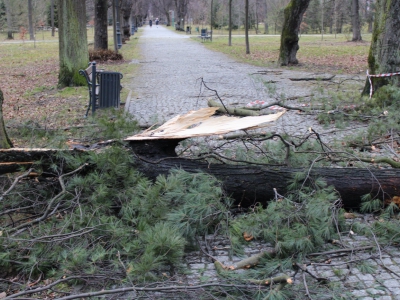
column 330, row 53
column 34, row 108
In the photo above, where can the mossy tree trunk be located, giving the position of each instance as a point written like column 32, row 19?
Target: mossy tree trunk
column 100, row 25
column 384, row 52
column 293, row 15
column 5, row 142
column 73, row 48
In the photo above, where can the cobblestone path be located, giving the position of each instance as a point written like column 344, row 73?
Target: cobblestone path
column 169, row 83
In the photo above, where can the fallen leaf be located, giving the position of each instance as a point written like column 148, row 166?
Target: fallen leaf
column 349, row 215
column 247, row 237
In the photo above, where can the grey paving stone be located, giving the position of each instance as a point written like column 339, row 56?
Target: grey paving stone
column 391, row 283
column 168, row 84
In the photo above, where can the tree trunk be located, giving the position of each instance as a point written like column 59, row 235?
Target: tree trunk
column 293, row 12
column 355, row 21
column 100, row 25
column 246, row 184
column 249, row 184
column 385, row 46
column 230, row 23
column 52, row 17
column 246, row 26
column 5, row 142
column 9, row 20
column 73, row 48
column 30, row 20
column 265, row 13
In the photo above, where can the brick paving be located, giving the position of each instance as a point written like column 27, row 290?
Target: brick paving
column 169, row 83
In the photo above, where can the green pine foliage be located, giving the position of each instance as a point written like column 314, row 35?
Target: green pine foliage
column 110, row 220
column 298, row 224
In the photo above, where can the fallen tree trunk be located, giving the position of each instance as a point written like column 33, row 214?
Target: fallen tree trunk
column 246, row 184
column 255, row 184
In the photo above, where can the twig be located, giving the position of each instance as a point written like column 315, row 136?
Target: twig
column 216, row 94
column 59, row 195
column 341, row 251
column 173, row 288
column 306, row 286
column 16, row 180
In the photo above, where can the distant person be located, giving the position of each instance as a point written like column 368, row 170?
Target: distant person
column 157, row 22
column 151, row 23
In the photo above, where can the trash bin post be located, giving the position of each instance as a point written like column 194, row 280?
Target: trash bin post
column 93, row 87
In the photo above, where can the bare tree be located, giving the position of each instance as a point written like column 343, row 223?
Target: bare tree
column 230, row 23
column 9, row 20
column 181, row 7
column 30, row 20
column 164, row 7
column 52, row 17
column 355, row 21
column 100, row 24
column 293, row 12
column 246, row 26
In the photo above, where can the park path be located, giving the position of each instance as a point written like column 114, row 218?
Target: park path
column 170, row 73
column 168, row 83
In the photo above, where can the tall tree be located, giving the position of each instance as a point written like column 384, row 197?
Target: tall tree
column 164, row 6
column 100, row 24
column 9, row 19
column 293, row 15
column 52, row 18
column 264, row 6
column 355, row 20
column 30, row 20
column 5, row 142
column 230, row 23
column 73, row 48
column 181, row 7
column 246, row 26
column 384, row 51
column 126, row 8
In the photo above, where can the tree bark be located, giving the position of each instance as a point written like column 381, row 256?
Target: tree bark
column 73, row 48
column 355, row 21
column 5, row 142
column 246, row 27
column 265, row 14
column 293, row 15
column 230, row 23
column 249, row 184
column 52, row 17
column 383, row 54
column 30, row 20
column 100, row 25
column 246, row 184
column 9, row 20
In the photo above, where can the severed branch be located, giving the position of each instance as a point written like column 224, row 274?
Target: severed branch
column 16, row 180
column 216, row 93
column 313, row 78
column 49, row 206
